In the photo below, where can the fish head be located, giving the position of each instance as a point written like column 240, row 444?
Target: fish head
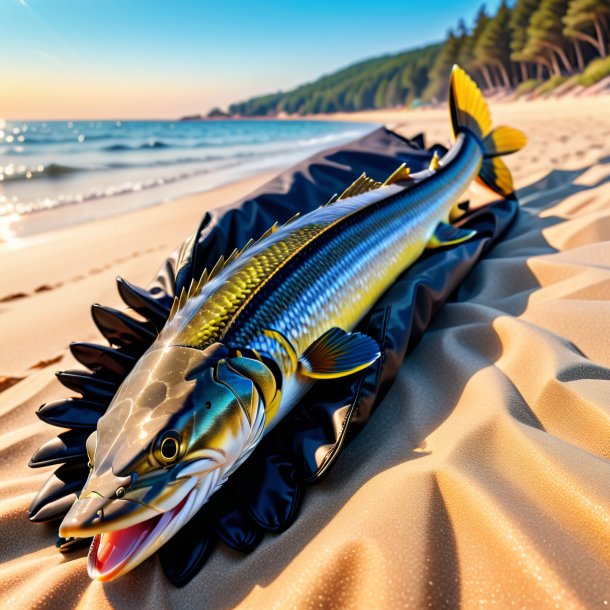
column 182, row 420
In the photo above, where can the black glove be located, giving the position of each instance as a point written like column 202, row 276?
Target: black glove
column 265, row 493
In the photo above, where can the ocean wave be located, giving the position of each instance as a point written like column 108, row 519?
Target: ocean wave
column 13, row 205
column 198, row 158
column 14, row 173
column 328, row 138
column 155, row 144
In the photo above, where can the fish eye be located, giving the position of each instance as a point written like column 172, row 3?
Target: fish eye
column 167, row 447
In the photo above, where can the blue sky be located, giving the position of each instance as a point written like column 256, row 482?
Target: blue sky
column 146, row 58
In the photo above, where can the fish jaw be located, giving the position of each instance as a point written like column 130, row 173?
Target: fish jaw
column 116, row 552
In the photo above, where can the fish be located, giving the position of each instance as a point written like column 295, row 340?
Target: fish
column 247, row 339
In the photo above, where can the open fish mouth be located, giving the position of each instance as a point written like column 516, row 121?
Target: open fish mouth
column 116, row 552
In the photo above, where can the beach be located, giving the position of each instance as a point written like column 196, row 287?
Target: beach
column 482, row 478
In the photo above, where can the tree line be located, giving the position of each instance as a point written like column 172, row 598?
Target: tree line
column 527, row 40
column 524, row 43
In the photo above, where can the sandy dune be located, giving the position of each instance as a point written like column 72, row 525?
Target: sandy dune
column 483, row 478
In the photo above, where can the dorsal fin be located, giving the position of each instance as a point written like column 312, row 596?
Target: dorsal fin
column 269, row 231
column 400, row 173
column 249, row 243
column 232, row 257
column 183, row 297
column 362, row 184
column 218, row 267
column 290, row 220
column 331, row 200
column 196, row 286
column 174, row 309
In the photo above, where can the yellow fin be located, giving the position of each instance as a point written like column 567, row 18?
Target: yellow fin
column 448, row 235
column 337, row 354
column 174, row 309
column 399, row 174
column 495, row 175
column 504, row 140
column 218, row 267
column 362, row 184
column 232, row 257
column 435, row 162
column 470, row 115
column 467, row 105
column 458, row 210
column 183, row 297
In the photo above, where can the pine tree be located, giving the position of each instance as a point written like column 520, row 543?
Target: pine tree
column 393, row 93
column 585, row 20
column 545, row 33
column 439, row 74
column 493, row 46
column 519, row 22
column 466, row 58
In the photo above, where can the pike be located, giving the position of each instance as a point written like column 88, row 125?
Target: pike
column 247, row 340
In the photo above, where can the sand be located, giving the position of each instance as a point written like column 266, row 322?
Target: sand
column 482, row 479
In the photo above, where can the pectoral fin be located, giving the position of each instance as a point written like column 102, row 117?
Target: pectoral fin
column 337, row 354
column 448, row 235
column 458, row 210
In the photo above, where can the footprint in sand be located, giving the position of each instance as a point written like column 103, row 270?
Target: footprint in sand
column 7, row 382
column 43, row 288
column 13, row 297
column 48, row 362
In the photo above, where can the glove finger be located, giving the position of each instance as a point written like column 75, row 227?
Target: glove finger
column 235, row 528
column 270, row 489
column 58, row 493
column 187, row 551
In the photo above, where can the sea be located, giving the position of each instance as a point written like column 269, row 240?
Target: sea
column 55, row 174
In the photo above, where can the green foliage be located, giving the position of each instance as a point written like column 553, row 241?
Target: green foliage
column 548, row 85
column 376, row 83
column 584, row 20
column 439, row 74
column 595, row 71
column 546, row 26
column 527, row 86
column 583, row 12
column 519, row 21
column 540, row 33
column 493, row 45
column 466, row 57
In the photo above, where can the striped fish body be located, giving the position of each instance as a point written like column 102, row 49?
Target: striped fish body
column 325, row 269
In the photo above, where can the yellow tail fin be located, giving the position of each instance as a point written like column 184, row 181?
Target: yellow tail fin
column 470, row 113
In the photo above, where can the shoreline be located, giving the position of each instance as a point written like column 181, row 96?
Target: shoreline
column 117, row 172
